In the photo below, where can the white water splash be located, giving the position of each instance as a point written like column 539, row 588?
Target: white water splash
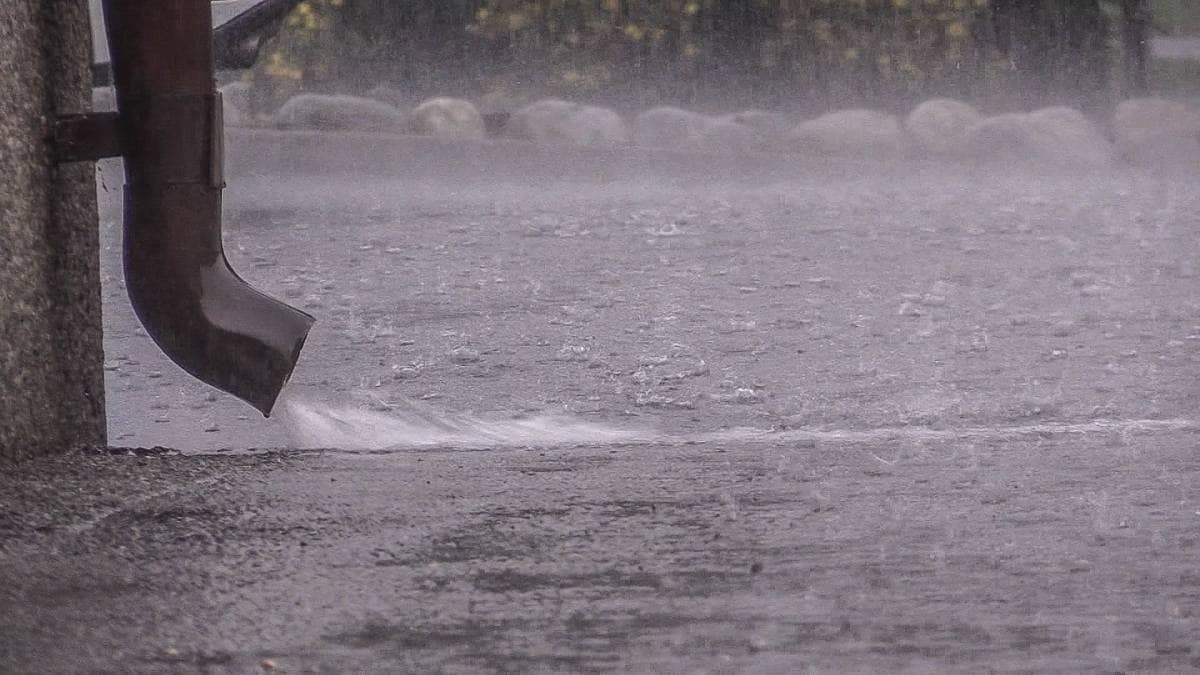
column 413, row 426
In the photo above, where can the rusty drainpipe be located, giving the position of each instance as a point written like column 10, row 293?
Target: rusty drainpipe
column 168, row 127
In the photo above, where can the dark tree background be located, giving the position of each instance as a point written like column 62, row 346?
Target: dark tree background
column 1058, row 46
column 801, row 55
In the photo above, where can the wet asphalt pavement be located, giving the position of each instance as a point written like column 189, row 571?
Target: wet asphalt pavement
column 905, row 417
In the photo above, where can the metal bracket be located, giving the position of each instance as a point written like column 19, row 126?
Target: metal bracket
column 85, row 138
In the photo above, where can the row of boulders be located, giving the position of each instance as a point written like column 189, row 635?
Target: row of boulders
column 1144, row 130
column 1060, row 136
column 1152, row 130
column 441, row 117
column 554, row 121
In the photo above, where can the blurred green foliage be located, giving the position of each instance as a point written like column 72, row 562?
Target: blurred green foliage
column 694, row 49
column 787, row 54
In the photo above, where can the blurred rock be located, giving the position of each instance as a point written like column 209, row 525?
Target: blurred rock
column 850, row 133
column 544, row 121
column 596, row 126
column 556, row 121
column 498, row 107
column 1001, row 137
column 668, row 127
column 1060, row 137
column 727, row 135
column 337, row 113
column 1078, row 140
column 771, row 127
column 446, row 117
column 1156, row 130
column 939, row 126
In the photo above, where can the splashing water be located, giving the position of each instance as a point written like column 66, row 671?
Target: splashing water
column 412, row 425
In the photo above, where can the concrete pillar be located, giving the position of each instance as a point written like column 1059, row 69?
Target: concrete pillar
column 51, row 349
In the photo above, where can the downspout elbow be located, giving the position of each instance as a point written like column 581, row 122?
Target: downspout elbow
column 193, row 305
column 201, row 314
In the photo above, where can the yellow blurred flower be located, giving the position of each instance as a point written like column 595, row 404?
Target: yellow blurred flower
column 633, row 32
column 957, row 30
column 517, row 21
column 822, row 30
column 278, row 66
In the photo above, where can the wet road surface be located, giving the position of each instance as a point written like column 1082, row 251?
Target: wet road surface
column 904, row 418
column 1039, row 554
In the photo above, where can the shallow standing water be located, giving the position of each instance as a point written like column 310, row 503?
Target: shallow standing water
column 895, row 420
column 924, row 298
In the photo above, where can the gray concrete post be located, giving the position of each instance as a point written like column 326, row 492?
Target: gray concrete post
column 51, row 348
